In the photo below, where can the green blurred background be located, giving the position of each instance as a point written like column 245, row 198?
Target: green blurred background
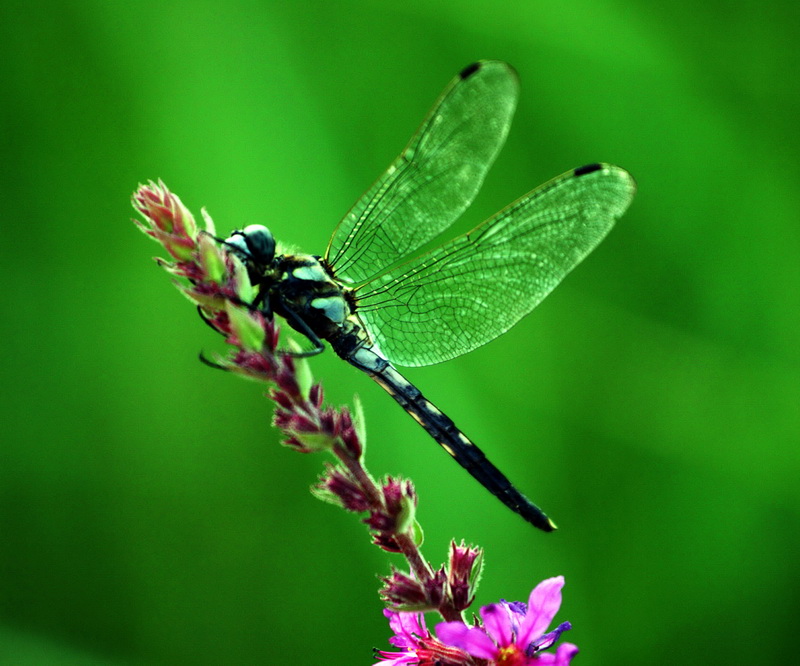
column 650, row 405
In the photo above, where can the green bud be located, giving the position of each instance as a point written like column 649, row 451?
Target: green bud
column 360, row 424
column 211, row 259
column 417, row 534
column 302, row 370
column 406, row 519
column 314, row 441
column 246, row 326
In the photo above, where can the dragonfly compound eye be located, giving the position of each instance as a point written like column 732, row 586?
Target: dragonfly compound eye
column 260, row 243
column 254, row 245
column 238, row 244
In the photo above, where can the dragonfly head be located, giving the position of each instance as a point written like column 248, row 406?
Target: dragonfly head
column 254, row 245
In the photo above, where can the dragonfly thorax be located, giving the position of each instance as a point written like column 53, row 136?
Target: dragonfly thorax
column 304, row 292
column 300, row 288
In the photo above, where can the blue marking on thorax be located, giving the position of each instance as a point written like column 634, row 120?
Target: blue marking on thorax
column 333, row 307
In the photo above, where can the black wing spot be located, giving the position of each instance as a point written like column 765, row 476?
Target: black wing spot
column 588, row 168
column 469, row 70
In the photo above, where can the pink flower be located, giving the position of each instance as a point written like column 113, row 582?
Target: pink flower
column 513, row 634
column 417, row 646
column 167, row 220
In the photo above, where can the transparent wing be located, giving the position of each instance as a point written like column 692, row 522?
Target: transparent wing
column 434, row 179
column 468, row 291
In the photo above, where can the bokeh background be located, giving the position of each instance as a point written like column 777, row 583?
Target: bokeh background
column 651, row 404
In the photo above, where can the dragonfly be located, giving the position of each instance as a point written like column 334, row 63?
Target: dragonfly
column 379, row 302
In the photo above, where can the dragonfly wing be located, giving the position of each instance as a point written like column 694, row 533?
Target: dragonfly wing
column 468, row 291
column 434, row 179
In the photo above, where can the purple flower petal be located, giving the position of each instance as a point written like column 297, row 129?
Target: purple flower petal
column 497, row 623
column 548, row 639
column 401, row 659
column 543, row 604
column 470, row 639
column 407, row 627
column 564, row 654
column 518, row 607
column 562, row 657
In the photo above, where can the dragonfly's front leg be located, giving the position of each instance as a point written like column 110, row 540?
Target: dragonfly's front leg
column 262, row 304
column 300, row 325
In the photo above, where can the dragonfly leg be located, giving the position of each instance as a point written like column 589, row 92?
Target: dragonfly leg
column 207, row 321
column 297, row 323
column 211, row 364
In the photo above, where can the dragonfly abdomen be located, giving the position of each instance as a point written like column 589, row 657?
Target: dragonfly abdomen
column 450, row 438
